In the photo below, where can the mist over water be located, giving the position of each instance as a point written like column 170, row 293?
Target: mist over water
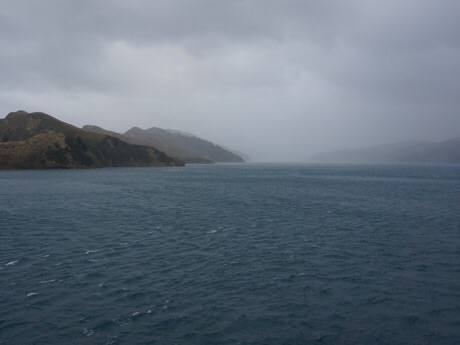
column 231, row 254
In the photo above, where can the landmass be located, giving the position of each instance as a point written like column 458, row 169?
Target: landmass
column 184, row 146
column 447, row 152
column 39, row 141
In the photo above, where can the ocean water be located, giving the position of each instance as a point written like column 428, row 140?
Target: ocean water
column 231, row 254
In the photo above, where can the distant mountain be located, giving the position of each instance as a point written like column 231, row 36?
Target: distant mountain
column 401, row 152
column 38, row 140
column 176, row 131
column 164, row 142
column 185, row 146
column 142, row 138
column 441, row 152
column 99, row 130
column 245, row 157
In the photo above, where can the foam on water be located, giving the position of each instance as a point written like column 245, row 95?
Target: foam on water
column 47, row 281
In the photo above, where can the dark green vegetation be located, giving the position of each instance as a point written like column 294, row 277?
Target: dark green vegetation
column 38, row 140
column 186, row 147
column 402, row 152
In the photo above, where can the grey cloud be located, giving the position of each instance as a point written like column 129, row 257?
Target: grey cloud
column 273, row 78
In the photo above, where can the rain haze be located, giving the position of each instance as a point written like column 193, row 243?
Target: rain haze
column 278, row 80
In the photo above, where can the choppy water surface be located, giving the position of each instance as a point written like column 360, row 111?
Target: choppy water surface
column 231, row 254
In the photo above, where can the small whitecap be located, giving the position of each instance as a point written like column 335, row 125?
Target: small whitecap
column 90, row 251
column 149, row 311
column 32, row 294
column 11, row 263
column 136, row 314
column 47, row 281
column 45, row 256
column 165, row 307
column 88, row 332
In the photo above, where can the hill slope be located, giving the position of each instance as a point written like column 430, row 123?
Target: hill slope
column 99, row 130
column 140, row 137
column 402, row 152
column 443, row 152
column 185, row 146
column 38, row 140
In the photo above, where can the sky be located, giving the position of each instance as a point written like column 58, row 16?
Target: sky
column 278, row 80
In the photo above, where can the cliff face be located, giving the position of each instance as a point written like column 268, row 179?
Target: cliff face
column 37, row 141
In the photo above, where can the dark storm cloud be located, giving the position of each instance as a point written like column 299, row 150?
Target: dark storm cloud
column 278, row 79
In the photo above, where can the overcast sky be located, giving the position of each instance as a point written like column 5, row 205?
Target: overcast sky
column 278, row 80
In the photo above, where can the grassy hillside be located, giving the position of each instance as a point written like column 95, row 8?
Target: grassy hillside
column 38, row 140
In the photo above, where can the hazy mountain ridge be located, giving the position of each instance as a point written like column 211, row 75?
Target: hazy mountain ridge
column 162, row 140
column 185, row 146
column 245, row 156
column 99, row 130
column 202, row 147
column 402, row 152
column 176, row 131
column 38, row 140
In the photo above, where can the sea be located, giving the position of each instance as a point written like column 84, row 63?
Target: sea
column 231, row 254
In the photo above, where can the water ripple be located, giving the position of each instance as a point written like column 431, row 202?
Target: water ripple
column 231, row 254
